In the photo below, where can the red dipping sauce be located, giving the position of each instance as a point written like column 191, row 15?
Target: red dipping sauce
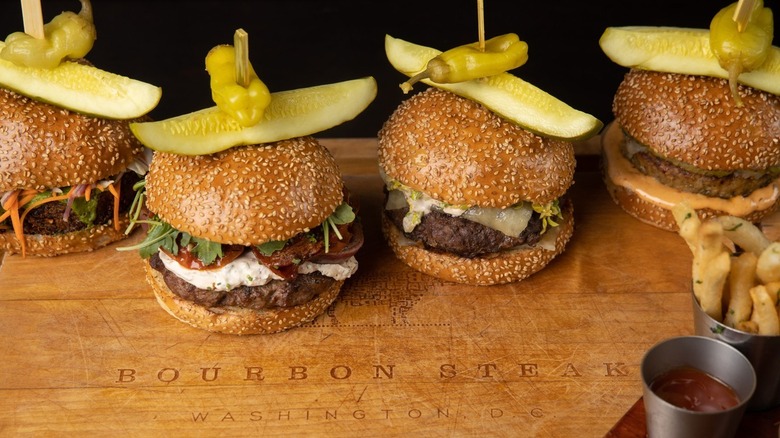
column 694, row 390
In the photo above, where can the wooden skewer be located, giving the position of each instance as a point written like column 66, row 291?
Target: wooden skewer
column 33, row 18
column 241, row 44
column 742, row 13
column 481, row 23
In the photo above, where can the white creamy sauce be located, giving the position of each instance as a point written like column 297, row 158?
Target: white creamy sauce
column 246, row 270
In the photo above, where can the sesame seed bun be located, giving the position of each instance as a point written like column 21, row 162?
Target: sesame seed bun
column 235, row 320
column 693, row 119
column 246, row 195
column 459, row 152
column 43, row 146
column 692, row 125
column 497, row 268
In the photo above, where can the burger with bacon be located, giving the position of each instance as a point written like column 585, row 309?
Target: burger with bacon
column 250, row 240
column 66, row 178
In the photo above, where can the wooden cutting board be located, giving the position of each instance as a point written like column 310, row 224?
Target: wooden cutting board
column 87, row 350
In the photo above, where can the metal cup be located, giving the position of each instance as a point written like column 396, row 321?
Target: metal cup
column 762, row 351
column 713, row 357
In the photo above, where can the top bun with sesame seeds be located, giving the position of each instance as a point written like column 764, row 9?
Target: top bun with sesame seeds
column 472, row 197
column 682, row 138
column 248, row 195
column 50, row 154
column 251, row 240
column 43, row 146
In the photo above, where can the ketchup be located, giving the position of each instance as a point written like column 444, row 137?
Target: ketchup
column 694, row 390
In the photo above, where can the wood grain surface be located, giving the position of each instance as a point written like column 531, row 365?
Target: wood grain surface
column 87, row 350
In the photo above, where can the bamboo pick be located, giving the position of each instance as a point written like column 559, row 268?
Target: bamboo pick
column 742, row 14
column 241, row 44
column 481, row 24
column 33, row 18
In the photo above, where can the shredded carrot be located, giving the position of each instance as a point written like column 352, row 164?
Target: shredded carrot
column 17, row 224
column 11, row 207
column 115, row 192
column 13, row 204
column 88, row 192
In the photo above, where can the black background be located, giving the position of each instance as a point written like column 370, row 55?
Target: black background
column 299, row 43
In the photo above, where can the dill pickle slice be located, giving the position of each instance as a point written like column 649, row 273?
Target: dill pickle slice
column 683, row 51
column 292, row 113
column 505, row 94
column 82, row 88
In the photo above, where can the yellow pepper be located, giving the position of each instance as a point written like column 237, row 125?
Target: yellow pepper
column 68, row 35
column 467, row 62
column 245, row 104
column 741, row 50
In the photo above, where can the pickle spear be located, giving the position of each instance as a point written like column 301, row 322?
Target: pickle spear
column 82, row 88
column 682, row 51
column 292, row 113
column 505, row 94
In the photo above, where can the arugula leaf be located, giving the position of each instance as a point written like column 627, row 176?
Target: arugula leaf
column 343, row 214
column 206, row 250
column 163, row 235
column 271, row 246
column 160, row 234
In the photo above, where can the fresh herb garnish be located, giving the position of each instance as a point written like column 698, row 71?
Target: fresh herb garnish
column 271, row 246
column 343, row 215
column 549, row 213
column 162, row 235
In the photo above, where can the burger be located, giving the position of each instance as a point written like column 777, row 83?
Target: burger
column 250, row 240
column 66, row 178
column 682, row 138
column 471, row 197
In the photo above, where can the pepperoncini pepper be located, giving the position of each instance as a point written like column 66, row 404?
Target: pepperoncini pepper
column 68, row 35
column 741, row 49
column 245, row 104
column 469, row 61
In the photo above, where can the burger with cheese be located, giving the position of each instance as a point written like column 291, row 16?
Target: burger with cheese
column 472, row 197
column 251, row 240
column 679, row 137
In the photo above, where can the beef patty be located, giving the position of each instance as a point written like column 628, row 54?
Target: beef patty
column 439, row 231
column 277, row 293
column 712, row 184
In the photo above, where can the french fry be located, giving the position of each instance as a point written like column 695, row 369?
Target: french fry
column 747, row 285
column 744, row 234
column 764, row 311
column 688, row 223
column 773, row 289
column 768, row 267
column 741, row 279
column 747, row 326
column 711, row 266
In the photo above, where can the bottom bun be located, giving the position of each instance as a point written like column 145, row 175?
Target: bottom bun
column 497, row 268
column 236, row 320
column 648, row 212
column 84, row 240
